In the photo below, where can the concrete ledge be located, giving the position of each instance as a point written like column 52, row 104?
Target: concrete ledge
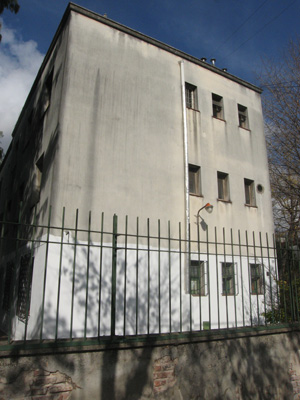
column 63, row 346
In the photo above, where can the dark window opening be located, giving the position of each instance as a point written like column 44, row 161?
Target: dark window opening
column 217, row 106
column 191, row 96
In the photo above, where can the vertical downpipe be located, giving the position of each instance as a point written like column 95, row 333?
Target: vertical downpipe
column 186, row 170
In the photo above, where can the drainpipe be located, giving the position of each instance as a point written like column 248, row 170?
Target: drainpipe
column 186, row 160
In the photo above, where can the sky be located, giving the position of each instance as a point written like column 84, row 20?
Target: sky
column 241, row 36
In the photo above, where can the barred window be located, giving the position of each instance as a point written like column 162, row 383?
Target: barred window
column 191, row 96
column 197, row 278
column 229, row 278
column 217, row 106
column 7, row 287
column 24, row 288
column 256, row 279
column 243, row 116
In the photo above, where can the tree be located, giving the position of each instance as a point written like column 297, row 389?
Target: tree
column 11, row 5
column 281, row 104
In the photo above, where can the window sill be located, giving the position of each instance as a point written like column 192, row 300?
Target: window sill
column 225, row 201
column 245, row 129
column 196, row 195
column 229, row 294
column 198, row 295
column 257, row 294
column 193, row 109
column 250, row 206
column 219, row 119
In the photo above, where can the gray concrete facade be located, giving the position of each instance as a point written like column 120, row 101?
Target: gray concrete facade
column 120, row 123
column 111, row 135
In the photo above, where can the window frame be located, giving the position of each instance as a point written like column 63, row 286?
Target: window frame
column 198, row 276
column 229, row 277
column 249, row 188
column 256, row 279
column 191, row 97
column 223, row 186
column 195, row 180
column 243, row 117
column 217, row 106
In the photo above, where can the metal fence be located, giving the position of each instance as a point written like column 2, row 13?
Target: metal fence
column 75, row 285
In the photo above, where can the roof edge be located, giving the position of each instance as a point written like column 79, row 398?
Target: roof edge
column 97, row 17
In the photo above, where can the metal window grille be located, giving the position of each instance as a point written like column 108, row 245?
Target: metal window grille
column 217, row 105
column 243, row 116
column 228, row 278
column 7, row 287
column 24, row 288
column 191, row 96
column 256, row 279
column 197, row 278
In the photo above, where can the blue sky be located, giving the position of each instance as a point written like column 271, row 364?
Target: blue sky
column 240, row 35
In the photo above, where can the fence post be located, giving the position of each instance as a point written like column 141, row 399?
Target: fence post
column 114, row 275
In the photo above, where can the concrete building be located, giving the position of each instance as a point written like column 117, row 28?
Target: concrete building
column 120, row 123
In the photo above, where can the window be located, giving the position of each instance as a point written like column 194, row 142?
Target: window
column 191, row 96
column 7, row 286
column 194, row 180
column 47, row 90
column 249, row 192
column 229, row 279
column 243, row 117
column 24, row 288
column 197, row 278
column 39, row 171
column 223, row 186
column 256, row 279
column 217, row 106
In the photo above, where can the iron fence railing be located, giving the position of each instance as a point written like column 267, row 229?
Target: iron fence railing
column 84, row 284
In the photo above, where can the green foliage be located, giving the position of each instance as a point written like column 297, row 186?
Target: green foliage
column 286, row 306
column 11, row 5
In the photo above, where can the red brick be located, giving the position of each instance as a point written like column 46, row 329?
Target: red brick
column 38, row 391
column 157, row 368
column 64, row 396
column 161, row 375
column 45, row 380
column 167, row 367
column 41, row 372
column 65, row 387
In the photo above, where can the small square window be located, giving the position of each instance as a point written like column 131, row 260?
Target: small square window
column 194, row 180
column 243, row 117
column 217, row 106
column 256, row 279
column 191, row 96
column 223, row 186
column 228, row 278
column 249, row 192
column 197, row 278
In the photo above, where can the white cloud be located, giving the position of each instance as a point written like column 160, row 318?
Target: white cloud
column 19, row 64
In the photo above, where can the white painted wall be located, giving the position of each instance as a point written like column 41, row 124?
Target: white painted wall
column 164, row 305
